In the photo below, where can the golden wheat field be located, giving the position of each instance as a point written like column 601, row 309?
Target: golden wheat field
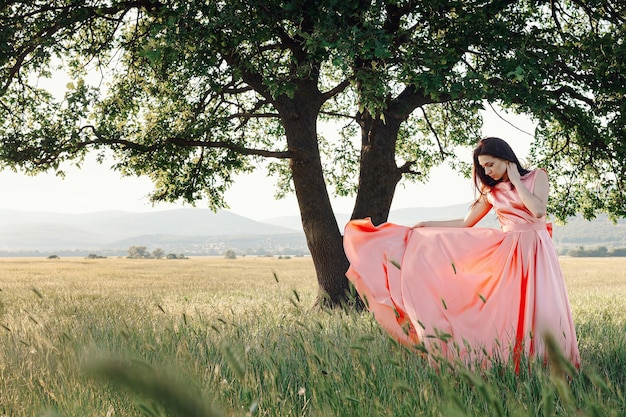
column 216, row 283
column 173, row 285
column 243, row 334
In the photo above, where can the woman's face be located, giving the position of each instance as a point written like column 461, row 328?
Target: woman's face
column 494, row 167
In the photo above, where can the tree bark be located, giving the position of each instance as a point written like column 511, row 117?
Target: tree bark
column 324, row 239
column 378, row 175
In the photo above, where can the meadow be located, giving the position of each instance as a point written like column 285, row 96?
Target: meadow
column 217, row 337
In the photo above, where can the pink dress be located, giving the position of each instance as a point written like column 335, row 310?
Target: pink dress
column 466, row 293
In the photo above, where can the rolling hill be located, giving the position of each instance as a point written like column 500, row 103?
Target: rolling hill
column 196, row 231
column 114, row 232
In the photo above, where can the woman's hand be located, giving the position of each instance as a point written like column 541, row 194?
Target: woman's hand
column 513, row 173
column 537, row 200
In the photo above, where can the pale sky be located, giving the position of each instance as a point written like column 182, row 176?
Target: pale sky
column 96, row 188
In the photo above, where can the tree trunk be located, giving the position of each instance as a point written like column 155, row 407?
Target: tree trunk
column 379, row 175
column 324, row 240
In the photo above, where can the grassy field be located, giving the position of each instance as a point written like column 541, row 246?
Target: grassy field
column 205, row 337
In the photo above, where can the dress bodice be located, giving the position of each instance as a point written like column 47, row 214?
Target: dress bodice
column 509, row 206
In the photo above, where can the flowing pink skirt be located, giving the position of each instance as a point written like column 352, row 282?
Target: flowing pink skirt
column 468, row 293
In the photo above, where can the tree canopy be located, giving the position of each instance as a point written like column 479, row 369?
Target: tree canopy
column 558, row 62
column 194, row 92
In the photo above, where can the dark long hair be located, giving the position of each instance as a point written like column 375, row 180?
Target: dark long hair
column 498, row 148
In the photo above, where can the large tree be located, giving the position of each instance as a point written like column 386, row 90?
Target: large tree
column 198, row 91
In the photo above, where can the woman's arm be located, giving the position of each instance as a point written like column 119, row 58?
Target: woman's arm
column 477, row 212
column 536, row 201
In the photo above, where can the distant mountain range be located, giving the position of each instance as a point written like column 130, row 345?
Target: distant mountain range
column 200, row 231
column 195, row 231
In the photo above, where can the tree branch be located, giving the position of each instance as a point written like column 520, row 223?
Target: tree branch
column 249, row 116
column 253, row 79
column 508, row 122
column 567, row 90
column 231, row 146
column 71, row 18
column 336, row 90
column 406, row 168
column 335, row 114
column 410, row 99
column 555, row 17
column 434, row 132
column 180, row 142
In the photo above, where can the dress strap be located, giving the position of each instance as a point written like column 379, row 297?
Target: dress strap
column 519, row 227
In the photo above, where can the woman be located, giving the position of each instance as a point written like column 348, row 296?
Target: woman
column 474, row 294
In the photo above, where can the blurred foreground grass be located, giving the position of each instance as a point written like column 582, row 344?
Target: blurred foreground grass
column 209, row 336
